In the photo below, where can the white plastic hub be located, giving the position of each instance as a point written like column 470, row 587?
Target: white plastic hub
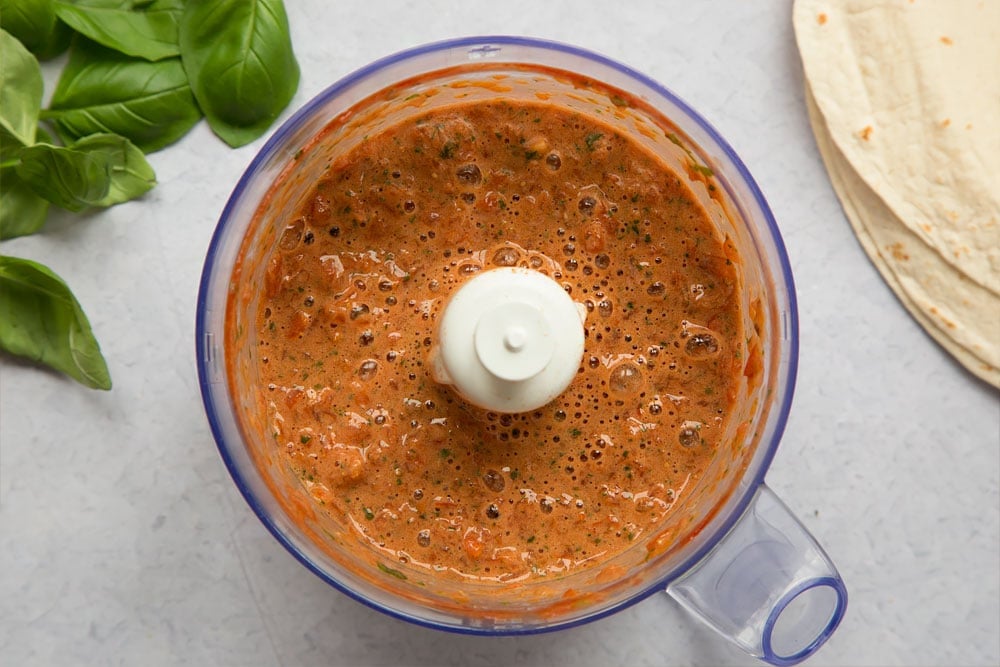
column 510, row 340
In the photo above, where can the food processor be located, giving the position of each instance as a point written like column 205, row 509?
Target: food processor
column 733, row 554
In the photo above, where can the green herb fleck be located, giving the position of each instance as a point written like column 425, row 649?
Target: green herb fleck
column 369, row 514
column 304, row 439
column 444, row 453
column 702, row 169
column 592, row 139
column 391, row 572
column 448, row 150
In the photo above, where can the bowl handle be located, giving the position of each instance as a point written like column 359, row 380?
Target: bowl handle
column 767, row 585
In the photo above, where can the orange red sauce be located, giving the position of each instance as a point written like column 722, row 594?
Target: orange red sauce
column 348, row 320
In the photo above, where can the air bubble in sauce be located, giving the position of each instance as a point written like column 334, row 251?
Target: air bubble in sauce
column 470, row 174
column 468, row 268
column 291, row 236
column 506, row 256
column 369, row 368
column 493, row 481
column 701, row 345
column 689, row 434
column 625, row 377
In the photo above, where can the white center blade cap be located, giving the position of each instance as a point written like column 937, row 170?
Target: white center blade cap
column 514, row 340
column 510, row 340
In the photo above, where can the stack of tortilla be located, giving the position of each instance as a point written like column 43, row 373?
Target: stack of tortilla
column 904, row 100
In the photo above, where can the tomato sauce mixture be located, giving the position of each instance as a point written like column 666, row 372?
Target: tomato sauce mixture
column 348, row 322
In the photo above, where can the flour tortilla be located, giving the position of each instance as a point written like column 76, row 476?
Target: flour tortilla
column 960, row 315
column 910, row 93
column 904, row 100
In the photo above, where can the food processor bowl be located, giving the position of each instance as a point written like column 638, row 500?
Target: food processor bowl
column 732, row 553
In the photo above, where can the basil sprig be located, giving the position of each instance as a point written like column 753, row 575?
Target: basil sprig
column 140, row 75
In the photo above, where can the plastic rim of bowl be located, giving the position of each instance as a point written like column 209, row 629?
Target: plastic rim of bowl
column 734, row 508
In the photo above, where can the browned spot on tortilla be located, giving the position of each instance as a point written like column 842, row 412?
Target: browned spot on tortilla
column 897, row 251
column 968, row 126
column 948, row 323
column 821, row 19
column 953, row 215
column 866, row 133
column 927, row 228
column 946, row 40
column 946, row 122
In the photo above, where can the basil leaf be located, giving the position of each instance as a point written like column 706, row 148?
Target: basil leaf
column 148, row 31
column 68, row 178
column 41, row 320
column 57, row 42
column 131, row 175
column 238, row 57
column 42, row 136
column 101, row 90
column 20, row 89
column 10, row 149
column 31, row 22
column 22, row 212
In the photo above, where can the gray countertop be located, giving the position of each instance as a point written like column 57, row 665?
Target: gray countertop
column 124, row 541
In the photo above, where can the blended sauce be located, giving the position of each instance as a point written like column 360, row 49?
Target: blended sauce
column 348, row 322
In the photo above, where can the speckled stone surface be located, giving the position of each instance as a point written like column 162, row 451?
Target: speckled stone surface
column 124, row 541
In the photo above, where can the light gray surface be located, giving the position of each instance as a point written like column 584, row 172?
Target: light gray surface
column 124, row 541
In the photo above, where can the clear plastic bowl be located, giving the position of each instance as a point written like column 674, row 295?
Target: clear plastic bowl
column 732, row 554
